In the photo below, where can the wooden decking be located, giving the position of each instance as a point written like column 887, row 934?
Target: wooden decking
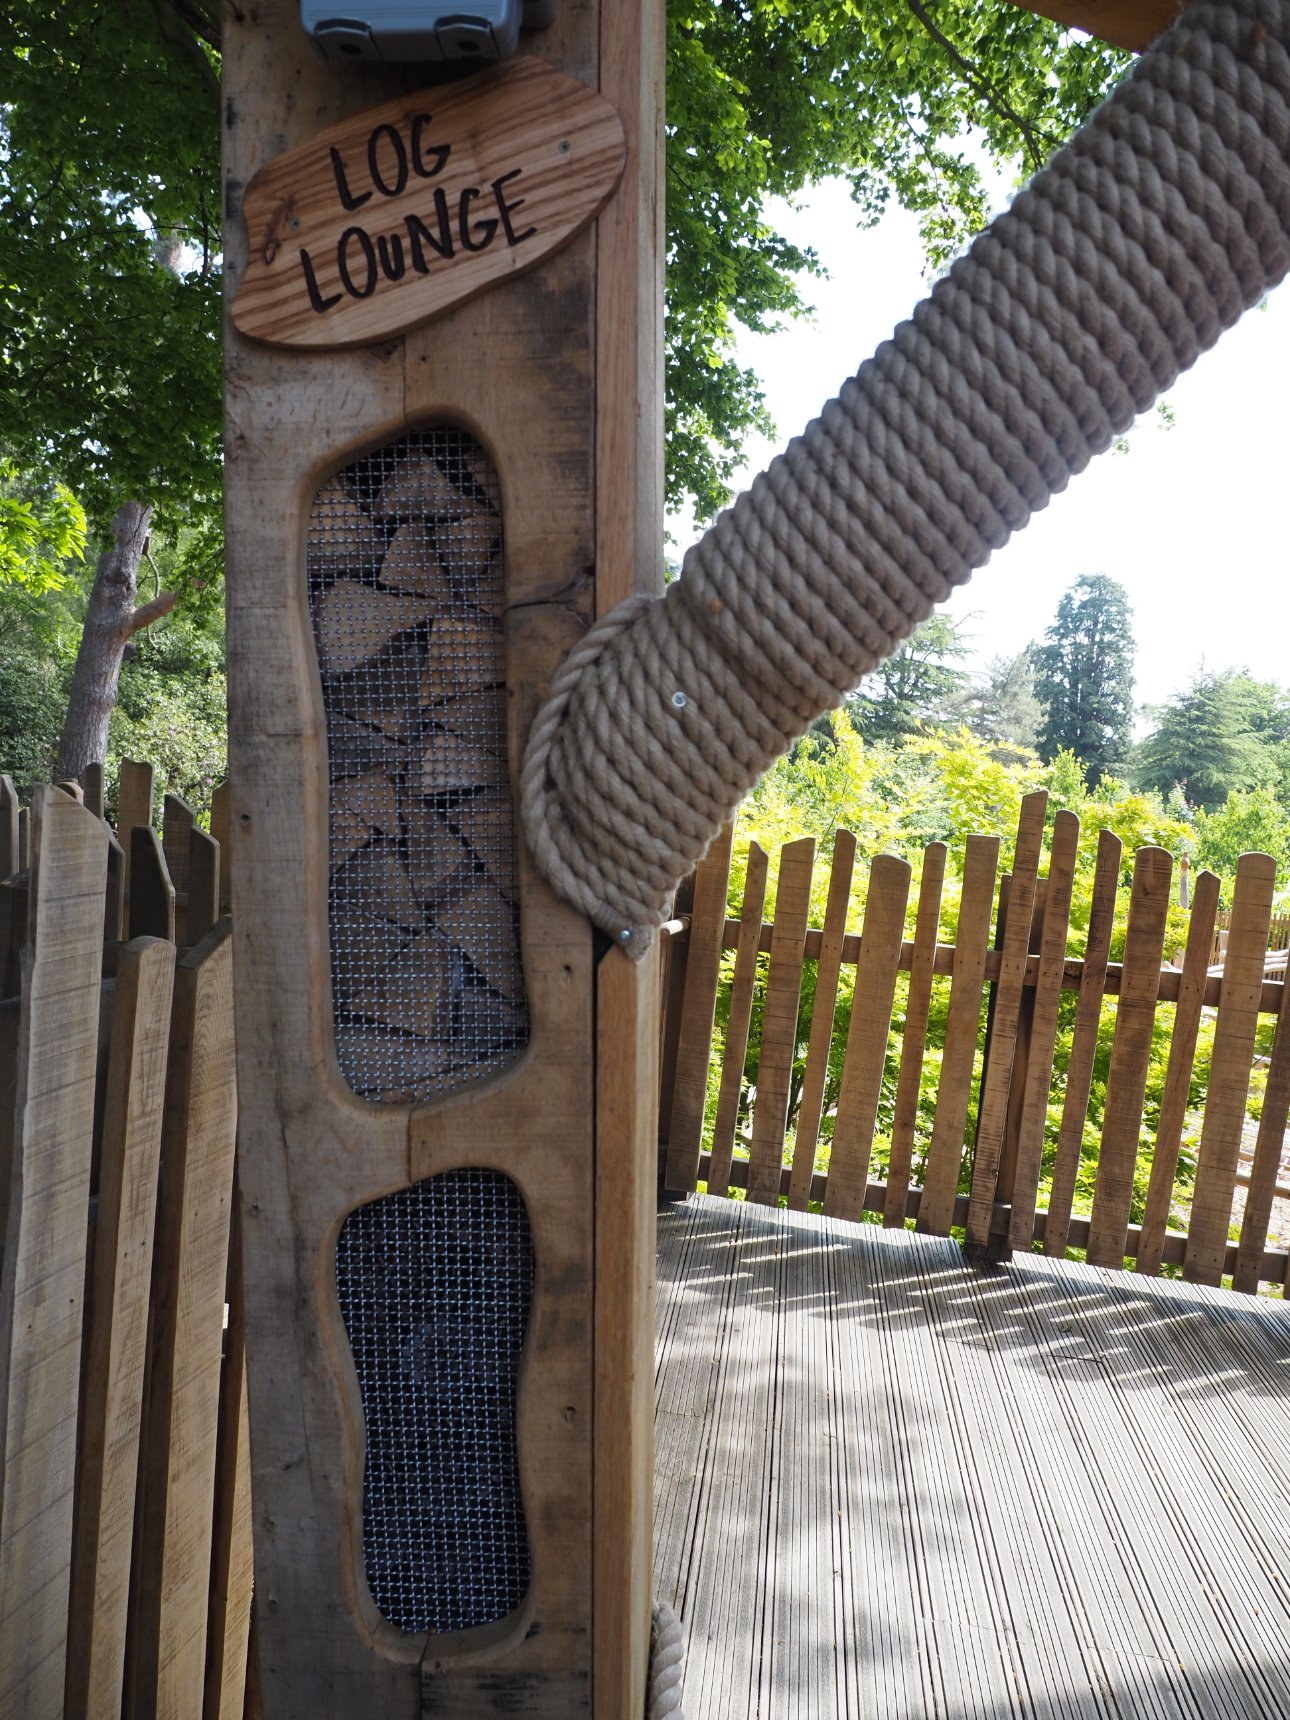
column 888, row 1485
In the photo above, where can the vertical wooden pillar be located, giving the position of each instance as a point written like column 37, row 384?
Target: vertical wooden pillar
column 557, row 375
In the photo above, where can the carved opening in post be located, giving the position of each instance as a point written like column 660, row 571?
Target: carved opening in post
column 435, row 1287
column 406, row 596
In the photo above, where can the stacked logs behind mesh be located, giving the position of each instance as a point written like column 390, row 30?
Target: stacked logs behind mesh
column 406, row 595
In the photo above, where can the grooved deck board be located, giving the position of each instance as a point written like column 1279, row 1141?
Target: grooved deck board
column 889, row 1485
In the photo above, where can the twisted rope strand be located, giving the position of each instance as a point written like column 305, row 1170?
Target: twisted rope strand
column 1125, row 259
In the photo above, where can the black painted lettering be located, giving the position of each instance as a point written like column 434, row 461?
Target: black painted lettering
column 400, row 161
column 483, row 233
column 348, row 201
column 427, row 160
column 369, row 263
column 419, row 234
column 506, row 210
column 316, row 299
column 390, row 251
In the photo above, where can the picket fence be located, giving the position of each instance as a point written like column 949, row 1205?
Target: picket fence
column 125, row 1527
column 989, row 1146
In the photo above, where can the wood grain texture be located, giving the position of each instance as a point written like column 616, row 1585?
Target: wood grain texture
column 823, row 1005
column 94, row 785
column 117, row 1328
column 520, row 368
column 779, row 1020
column 460, row 188
column 1132, row 24
column 178, row 824
column 201, row 905
column 1033, row 1112
column 914, row 1037
column 190, row 1273
column 1178, row 1073
column 742, row 987
column 949, row 1127
column 151, row 897
column 1229, row 1070
column 135, row 796
column 42, row 1280
column 626, row 1132
column 8, row 828
column 233, row 1556
column 881, row 938
column 698, row 1006
column 996, row 1078
column 1126, row 1085
column 1088, row 1016
column 1265, row 1172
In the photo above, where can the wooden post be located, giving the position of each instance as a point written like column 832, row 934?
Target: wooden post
column 556, row 377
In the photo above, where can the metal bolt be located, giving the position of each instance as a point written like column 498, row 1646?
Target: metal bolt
column 679, row 700
column 563, row 148
column 625, row 936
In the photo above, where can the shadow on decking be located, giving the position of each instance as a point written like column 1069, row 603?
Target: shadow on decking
column 888, row 1484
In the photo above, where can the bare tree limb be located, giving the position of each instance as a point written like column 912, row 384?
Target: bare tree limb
column 147, row 613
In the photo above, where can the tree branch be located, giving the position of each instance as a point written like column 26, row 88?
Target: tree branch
column 147, row 613
column 989, row 91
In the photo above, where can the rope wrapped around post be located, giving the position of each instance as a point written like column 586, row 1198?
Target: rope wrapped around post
column 1162, row 220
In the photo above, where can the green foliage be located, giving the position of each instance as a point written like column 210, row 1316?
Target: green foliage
column 109, row 280
column 769, row 96
column 1084, row 676
column 39, row 534
column 1253, row 822
column 1225, row 734
column 917, row 686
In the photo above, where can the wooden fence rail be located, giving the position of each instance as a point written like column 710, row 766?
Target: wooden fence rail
column 1008, row 1120
column 125, row 1544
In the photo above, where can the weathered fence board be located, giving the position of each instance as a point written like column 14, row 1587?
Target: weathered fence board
column 1229, row 1074
column 1135, row 1018
column 922, row 968
column 117, row 1328
column 690, row 1080
column 42, row 1287
column 1038, row 1072
column 876, row 971
column 997, row 1077
column 1178, row 1072
column 779, row 1020
column 823, row 1009
column 190, row 1273
column 949, row 1127
column 1032, row 985
column 742, row 988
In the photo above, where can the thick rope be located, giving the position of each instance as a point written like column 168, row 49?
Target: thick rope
column 666, row 1665
column 1146, row 237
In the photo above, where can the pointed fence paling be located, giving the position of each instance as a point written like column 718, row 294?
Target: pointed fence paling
column 125, row 1549
column 1000, row 1143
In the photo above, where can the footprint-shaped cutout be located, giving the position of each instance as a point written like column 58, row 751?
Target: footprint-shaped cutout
column 406, row 593
column 436, row 1284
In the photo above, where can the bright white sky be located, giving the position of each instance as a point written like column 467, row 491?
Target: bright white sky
column 1192, row 521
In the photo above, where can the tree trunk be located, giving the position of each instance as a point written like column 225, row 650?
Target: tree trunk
column 111, row 621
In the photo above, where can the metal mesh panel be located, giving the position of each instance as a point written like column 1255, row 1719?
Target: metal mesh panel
column 435, row 1285
column 406, row 597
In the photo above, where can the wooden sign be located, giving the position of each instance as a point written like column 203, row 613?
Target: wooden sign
column 401, row 212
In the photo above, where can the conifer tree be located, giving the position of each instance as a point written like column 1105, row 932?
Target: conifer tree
column 1084, row 677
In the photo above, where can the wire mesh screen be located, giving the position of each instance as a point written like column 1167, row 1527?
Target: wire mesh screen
column 406, row 595
column 435, row 1286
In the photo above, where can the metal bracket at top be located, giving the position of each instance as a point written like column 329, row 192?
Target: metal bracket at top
column 398, row 30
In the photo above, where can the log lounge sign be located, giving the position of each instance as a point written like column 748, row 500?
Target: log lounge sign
column 397, row 214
